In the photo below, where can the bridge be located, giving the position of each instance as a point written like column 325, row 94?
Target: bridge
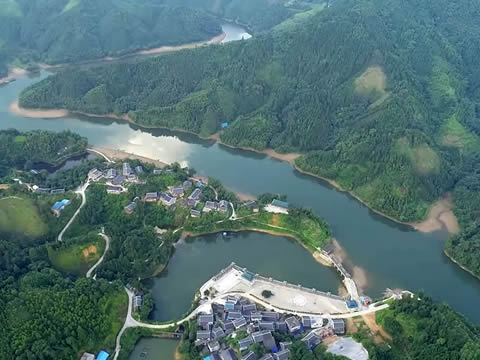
column 347, row 278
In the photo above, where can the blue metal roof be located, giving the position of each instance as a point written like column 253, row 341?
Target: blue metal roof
column 103, row 355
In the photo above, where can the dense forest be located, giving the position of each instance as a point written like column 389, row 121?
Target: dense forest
column 381, row 96
column 65, row 31
column 23, row 150
column 45, row 315
column 422, row 329
column 60, row 31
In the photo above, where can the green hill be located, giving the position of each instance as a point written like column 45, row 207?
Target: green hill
column 381, row 96
column 58, row 31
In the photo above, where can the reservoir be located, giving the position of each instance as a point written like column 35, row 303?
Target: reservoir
column 379, row 252
column 154, row 349
column 197, row 260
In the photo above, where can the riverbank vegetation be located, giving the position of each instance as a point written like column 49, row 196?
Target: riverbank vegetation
column 395, row 131
column 65, row 31
column 422, row 329
column 23, row 150
column 45, row 315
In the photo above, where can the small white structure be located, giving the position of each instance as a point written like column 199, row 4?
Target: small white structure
column 349, row 348
column 277, row 207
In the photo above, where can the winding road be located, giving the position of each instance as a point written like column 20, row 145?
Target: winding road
column 81, row 190
column 107, row 246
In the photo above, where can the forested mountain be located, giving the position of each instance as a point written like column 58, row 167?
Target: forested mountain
column 382, row 96
column 59, row 31
column 258, row 15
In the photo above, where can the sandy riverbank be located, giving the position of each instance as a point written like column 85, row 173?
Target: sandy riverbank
column 38, row 114
column 288, row 157
column 146, row 52
column 13, row 73
column 116, row 154
column 164, row 49
column 440, row 216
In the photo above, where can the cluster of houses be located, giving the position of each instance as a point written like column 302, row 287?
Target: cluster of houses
column 46, row 191
column 115, row 179
column 238, row 313
column 175, row 196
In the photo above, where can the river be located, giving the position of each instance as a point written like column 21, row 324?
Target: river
column 381, row 253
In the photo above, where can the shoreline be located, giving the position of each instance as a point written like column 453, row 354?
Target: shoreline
column 122, row 155
column 13, row 74
column 433, row 221
column 464, row 268
column 315, row 254
column 440, row 214
column 144, row 52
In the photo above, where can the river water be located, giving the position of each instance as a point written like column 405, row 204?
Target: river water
column 154, row 349
column 380, row 252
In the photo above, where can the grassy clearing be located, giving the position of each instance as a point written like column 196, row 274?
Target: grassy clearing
column 312, row 232
column 454, row 134
column 20, row 215
column 298, row 18
column 115, row 308
column 424, row 159
column 10, row 8
column 77, row 256
column 373, row 80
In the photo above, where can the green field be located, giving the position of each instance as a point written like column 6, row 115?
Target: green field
column 453, row 133
column 299, row 18
column 78, row 255
column 19, row 215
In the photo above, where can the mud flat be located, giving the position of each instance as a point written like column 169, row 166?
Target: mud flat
column 123, row 155
column 34, row 113
column 440, row 217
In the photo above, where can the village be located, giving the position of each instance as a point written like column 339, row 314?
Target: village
column 254, row 310
column 241, row 315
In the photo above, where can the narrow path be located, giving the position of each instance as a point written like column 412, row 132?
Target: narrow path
column 80, row 191
column 102, row 155
column 107, row 246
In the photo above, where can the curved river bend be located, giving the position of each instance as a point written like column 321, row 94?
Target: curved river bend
column 382, row 253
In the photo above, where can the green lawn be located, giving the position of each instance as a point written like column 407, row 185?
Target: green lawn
column 453, row 133
column 20, row 215
column 78, row 255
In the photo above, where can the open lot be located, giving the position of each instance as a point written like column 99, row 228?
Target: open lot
column 77, row 258
column 20, row 215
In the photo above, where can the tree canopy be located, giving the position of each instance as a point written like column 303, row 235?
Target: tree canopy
column 381, row 96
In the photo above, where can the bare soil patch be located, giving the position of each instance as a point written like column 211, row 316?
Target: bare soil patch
column 440, row 217
column 373, row 79
column 380, row 335
column 91, row 250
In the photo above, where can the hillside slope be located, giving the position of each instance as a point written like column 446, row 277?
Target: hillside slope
column 57, row 31
column 381, row 96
